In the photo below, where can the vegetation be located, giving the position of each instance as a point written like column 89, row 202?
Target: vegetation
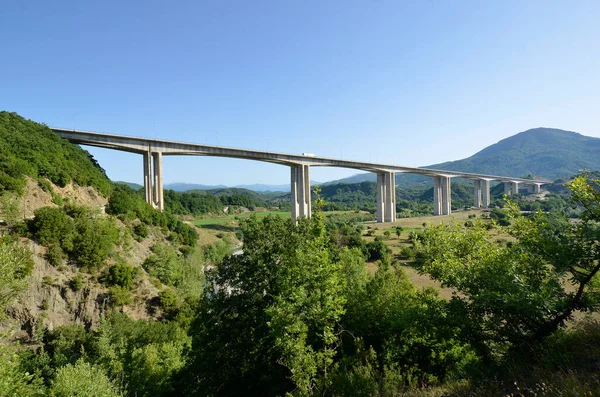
column 80, row 232
column 129, row 205
column 31, row 149
column 297, row 312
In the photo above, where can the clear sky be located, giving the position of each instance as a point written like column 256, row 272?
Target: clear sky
column 410, row 83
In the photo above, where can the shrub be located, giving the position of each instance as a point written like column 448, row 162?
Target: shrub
column 52, row 226
column 54, row 254
column 94, row 240
column 141, row 230
column 407, row 253
column 121, row 275
column 377, row 250
column 82, row 379
column 119, row 296
column 169, row 302
column 77, row 282
column 164, row 264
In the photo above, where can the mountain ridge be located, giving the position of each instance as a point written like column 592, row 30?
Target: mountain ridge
column 549, row 153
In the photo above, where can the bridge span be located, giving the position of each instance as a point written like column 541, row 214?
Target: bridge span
column 152, row 151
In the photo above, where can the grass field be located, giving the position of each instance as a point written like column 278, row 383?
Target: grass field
column 226, row 219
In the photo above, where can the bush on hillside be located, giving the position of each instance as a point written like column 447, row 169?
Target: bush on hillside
column 86, row 236
column 121, row 275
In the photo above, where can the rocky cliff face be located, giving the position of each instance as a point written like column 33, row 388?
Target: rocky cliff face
column 50, row 297
column 61, row 295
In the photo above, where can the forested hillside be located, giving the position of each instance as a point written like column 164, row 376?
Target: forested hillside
column 31, row 149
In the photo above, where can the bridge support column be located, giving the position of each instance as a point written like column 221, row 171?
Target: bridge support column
column 390, row 197
column 147, row 177
column 380, row 197
column 477, row 193
column 485, row 193
column 446, row 195
column 300, row 191
column 511, row 188
column 386, row 197
column 437, row 195
column 515, row 188
column 158, row 181
column 537, row 188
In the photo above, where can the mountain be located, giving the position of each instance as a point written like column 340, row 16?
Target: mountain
column 544, row 152
column 257, row 187
column 183, row 187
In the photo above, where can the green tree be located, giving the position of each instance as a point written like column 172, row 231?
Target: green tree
column 164, row 264
column 14, row 382
column 399, row 230
column 82, row 380
column 152, row 367
column 271, row 310
column 9, row 209
column 517, row 294
column 16, row 264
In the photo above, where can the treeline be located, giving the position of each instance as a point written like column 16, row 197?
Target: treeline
column 199, row 202
column 411, row 201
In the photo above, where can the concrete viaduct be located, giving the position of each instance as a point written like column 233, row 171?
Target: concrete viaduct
column 152, row 151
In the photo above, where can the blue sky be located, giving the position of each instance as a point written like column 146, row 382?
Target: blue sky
column 410, row 83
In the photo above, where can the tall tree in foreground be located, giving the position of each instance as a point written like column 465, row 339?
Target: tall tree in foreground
column 268, row 323
column 519, row 293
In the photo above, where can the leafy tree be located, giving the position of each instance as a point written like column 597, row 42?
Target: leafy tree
column 126, row 348
column 9, row 209
column 164, row 264
column 16, row 264
column 517, row 294
column 271, row 310
column 82, row 379
column 399, row 230
column 121, row 275
column 153, row 366
column 52, row 226
column 94, row 240
column 377, row 249
column 406, row 331
column 14, row 382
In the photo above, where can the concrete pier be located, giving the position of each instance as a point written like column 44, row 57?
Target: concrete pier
column 386, row 197
column 437, row 195
column 511, row 188
column 158, row 181
column 147, row 157
column 477, row 193
column 300, row 191
column 446, row 195
column 485, row 192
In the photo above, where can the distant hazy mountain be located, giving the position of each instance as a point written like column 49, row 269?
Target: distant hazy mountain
column 544, row 152
column 182, row 187
column 266, row 188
